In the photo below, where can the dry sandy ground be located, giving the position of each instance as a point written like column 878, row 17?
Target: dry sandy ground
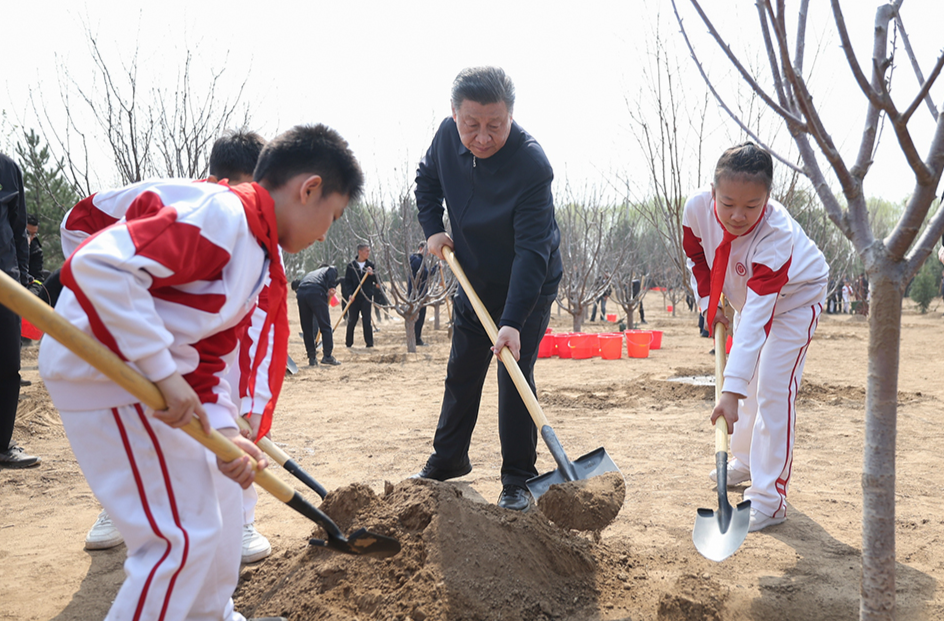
column 371, row 420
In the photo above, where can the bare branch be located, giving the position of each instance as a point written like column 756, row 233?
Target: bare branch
column 923, row 94
column 914, row 64
column 875, row 96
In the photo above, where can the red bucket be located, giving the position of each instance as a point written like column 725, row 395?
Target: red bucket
column 656, row 339
column 638, row 342
column 547, row 347
column 611, row 317
column 584, row 346
column 611, row 346
column 563, row 344
column 334, row 300
column 668, row 308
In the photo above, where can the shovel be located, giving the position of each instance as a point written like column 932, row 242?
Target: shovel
column 718, row 534
column 590, row 465
column 345, row 308
column 271, row 449
column 24, row 303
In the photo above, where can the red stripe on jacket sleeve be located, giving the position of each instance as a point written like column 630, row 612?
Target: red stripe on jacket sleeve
column 85, row 217
column 98, row 327
column 181, row 248
column 765, row 281
column 206, row 376
column 694, row 250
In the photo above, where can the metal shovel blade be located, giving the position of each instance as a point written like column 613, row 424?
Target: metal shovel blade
column 362, row 542
column 290, row 366
column 592, row 464
column 718, row 534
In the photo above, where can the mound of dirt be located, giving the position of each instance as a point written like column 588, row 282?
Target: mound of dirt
column 591, row 504
column 693, row 599
column 461, row 560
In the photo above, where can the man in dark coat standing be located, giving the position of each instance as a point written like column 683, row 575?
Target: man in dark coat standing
column 496, row 182
column 359, row 306
column 312, row 292
column 14, row 262
column 420, row 276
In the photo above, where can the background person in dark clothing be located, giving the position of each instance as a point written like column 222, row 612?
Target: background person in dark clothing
column 14, row 261
column 359, row 307
column 313, row 292
column 35, row 248
column 496, row 182
column 421, row 276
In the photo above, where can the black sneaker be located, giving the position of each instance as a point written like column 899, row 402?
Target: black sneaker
column 331, row 360
column 442, row 474
column 24, row 382
column 16, row 457
column 515, row 498
column 312, row 362
column 422, row 344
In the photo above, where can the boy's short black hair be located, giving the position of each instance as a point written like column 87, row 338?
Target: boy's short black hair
column 235, row 154
column 483, row 85
column 746, row 161
column 314, row 149
column 32, row 220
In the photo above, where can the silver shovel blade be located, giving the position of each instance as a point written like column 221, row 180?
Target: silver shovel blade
column 718, row 534
column 592, row 464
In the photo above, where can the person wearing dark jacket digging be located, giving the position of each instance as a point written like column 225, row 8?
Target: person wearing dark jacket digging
column 359, row 307
column 496, row 182
column 313, row 291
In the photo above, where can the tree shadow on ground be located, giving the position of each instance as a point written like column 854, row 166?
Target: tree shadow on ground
column 824, row 583
column 98, row 588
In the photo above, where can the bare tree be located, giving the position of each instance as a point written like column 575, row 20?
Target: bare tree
column 148, row 131
column 592, row 251
column 890, row 262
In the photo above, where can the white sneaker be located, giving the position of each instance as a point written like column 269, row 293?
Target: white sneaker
column 103, row 534
column 761, row 520
column 255, row 546
column 735, row 477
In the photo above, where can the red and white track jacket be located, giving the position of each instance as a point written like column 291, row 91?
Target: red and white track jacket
column 772, row 269
column 167, row 289
column 89, row 217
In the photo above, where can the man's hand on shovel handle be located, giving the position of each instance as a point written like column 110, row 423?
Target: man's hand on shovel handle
column 728, row 408
column 436, row 242
column 241, row 470
column 182, row 403
column 510, row 338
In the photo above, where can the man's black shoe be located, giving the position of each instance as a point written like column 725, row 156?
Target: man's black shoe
column 330, row 360
column 25, row 382
column 16, row 457
column 515, row 498
column 422, row 344
column 312, row 362
column 440, row 474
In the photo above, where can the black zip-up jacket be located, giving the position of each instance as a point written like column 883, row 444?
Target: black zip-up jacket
column 14, row 242
column 318, row 281
column 352, row 278
column 502, row 215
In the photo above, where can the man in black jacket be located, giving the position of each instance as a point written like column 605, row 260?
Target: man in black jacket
column 14, row 261
column 496, row 182
column 313, row 292
column 359, row 306
column 420, row 276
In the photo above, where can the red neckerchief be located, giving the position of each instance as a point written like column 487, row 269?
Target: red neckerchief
column 260, row 214
column 719, row 267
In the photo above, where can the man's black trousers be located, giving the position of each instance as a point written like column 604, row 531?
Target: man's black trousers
column 9, row 373
column 468, row 366
column 418, row 326
column 360, row 308
column 313, row 315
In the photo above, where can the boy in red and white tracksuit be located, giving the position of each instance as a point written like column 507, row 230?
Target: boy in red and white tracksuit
column 742, row 243
column 167, row 288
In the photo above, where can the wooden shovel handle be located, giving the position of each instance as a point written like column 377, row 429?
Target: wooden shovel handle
column 511, row 365
column 348, row 305
column 721, row 425
column 25, row 304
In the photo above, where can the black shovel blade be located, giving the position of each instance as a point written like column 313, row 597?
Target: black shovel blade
column 362, row 542
column 590, row 465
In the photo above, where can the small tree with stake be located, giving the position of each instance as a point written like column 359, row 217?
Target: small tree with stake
column 890, row 262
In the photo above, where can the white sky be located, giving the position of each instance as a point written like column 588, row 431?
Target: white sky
column 380, row 72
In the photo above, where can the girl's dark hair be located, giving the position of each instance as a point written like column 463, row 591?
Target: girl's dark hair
column 746, row 161
column 316, row 150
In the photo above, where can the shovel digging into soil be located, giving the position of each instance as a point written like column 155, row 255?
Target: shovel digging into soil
column 25, row 304
column 718, row 534
column 585, row 494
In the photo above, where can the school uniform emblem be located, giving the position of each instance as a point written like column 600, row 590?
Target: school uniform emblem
column 740, row 269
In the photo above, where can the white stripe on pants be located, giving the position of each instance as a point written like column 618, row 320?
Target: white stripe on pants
column 181, row 518
column 763, row 436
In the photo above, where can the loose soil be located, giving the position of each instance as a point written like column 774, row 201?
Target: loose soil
column 589, row 504
column 363, row 428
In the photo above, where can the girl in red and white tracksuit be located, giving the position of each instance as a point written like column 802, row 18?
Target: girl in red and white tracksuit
column 167, row 289
column 741, row 243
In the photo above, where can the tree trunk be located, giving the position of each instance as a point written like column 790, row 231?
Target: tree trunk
column 409, row 322
column 878, row 472
column 579, row 313
column 436, row 317
column 629, row 318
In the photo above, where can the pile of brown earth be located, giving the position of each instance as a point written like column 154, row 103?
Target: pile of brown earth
column 461, row 560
